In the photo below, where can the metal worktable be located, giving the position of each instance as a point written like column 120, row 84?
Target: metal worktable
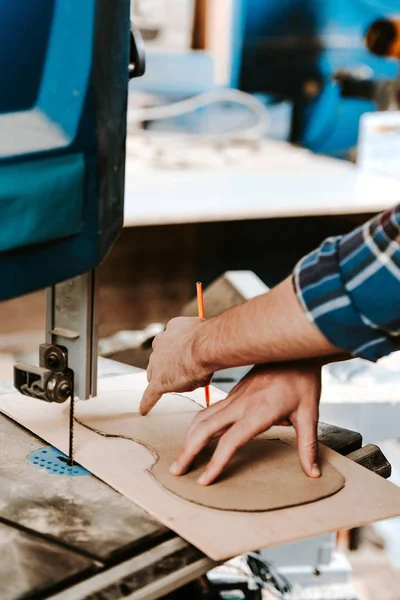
column 75, row 537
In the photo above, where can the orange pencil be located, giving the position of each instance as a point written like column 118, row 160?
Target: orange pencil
column 200, row 305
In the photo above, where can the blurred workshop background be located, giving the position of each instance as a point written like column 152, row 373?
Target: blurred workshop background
column 260, row 128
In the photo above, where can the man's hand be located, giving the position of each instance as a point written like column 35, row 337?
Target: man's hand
column 271, row 328
column 269, row 395
column 172, row 366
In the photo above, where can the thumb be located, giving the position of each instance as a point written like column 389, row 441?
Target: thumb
column 306, row 425
column 149, row 399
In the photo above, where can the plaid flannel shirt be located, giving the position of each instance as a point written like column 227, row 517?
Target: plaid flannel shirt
column 350, row 287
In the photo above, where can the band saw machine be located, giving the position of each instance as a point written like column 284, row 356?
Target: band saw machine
column 63, row 163
column 64, row 73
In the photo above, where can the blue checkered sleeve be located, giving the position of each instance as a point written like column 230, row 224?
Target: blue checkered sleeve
column 350, row 287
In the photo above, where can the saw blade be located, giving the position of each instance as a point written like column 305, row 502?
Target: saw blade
column 71, row 429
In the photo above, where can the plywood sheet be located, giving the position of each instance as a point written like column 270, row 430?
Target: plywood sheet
column 220, row 534
column 253, row 480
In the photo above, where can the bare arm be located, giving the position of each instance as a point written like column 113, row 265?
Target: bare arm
column 346, row 293
column 270, row 328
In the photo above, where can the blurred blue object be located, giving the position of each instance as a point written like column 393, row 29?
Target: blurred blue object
column 177, row 74
column 289, row 44
column 289, row 50
column 63, row 82
column 24, row 31
column 223, row 117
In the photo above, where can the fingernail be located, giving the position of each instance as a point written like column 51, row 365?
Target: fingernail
column 174, row 468
column 315, row 471
column 202, row 480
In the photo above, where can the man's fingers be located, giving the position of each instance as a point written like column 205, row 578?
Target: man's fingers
column 149, row 399
column 199, row 438
column 238, row 435
column 306, row 423
column 220, row 433
column 205, row 413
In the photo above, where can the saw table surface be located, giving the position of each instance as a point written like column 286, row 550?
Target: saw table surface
column 75, row 537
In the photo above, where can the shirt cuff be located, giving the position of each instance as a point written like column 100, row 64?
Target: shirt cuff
column 322, row 294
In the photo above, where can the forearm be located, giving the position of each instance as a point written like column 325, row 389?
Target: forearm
column 347, row 296
column 270, row 328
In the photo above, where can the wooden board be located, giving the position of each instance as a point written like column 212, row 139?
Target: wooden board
column 219, row 534
column 251, row 483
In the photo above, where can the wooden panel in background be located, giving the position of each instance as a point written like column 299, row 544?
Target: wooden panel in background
column 199, row 25
column 148, row 277
column 26, row 313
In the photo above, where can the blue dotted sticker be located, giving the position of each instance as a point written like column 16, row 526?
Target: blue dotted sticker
column 54, row 462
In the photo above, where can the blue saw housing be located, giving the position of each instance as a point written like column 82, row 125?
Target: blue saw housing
column 63, row 95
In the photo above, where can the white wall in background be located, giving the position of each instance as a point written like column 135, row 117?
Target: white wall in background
column 165, row 24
